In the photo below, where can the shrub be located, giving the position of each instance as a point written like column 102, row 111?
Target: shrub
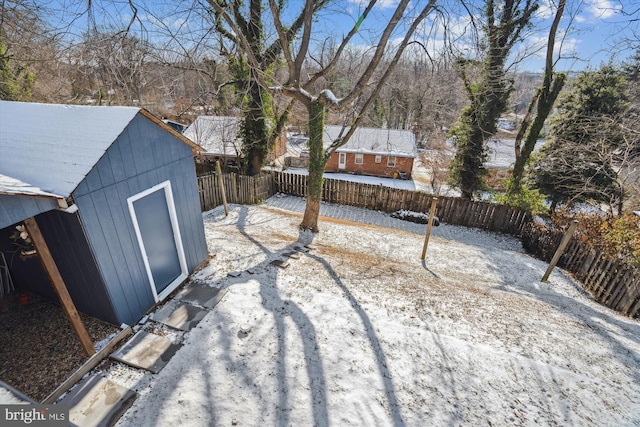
column 525, row 199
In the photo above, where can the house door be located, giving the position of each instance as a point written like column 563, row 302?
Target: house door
column 155, row 221
column 342, row 160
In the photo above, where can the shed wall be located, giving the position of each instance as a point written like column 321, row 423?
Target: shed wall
column 143, row 155
column 15, row 208
column 72, row 254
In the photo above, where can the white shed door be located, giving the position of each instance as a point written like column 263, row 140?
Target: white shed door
column 154, row 219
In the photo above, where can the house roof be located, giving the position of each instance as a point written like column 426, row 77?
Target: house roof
column 393, row 142
column 216, row 135
column 48, row 149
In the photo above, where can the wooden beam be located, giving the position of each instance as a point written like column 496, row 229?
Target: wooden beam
column 87, row 366
column 58, row 284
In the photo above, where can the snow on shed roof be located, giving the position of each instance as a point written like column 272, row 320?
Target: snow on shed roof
column 53, row 147
column 12, row 186
column 394, row 142
column 216, row 134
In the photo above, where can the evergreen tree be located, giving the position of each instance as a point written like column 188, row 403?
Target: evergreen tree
column 15, row 81
column 580, row 160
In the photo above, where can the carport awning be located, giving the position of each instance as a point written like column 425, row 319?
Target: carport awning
column 20, row 200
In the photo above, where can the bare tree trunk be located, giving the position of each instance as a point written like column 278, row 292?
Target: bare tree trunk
column 544, row 99
column 317, row 162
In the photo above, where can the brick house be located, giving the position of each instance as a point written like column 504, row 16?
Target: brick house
column 378, row 152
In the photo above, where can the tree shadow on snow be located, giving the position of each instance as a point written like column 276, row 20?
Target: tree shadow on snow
column 283, row 308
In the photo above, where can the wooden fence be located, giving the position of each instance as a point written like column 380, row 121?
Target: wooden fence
column 239, row 189
column 452, row 210
column 612, row 282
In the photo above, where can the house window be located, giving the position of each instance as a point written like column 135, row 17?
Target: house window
column 378, row 159
column 359, row 158
column 391, row 161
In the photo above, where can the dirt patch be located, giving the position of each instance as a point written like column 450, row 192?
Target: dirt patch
column 39, row 348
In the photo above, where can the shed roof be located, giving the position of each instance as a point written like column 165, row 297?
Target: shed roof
column 216, row 135
column 53, row 147
column 394, row 142
column 48, row 149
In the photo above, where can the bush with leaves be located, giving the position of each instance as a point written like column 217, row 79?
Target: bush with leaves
column 617, row 237
column 524, row 198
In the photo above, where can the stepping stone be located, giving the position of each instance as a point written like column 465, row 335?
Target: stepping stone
column 280, row 263
column 146, row 351
column 293, row 255
column 179, row 315
column 203, row 295
column 97, row 401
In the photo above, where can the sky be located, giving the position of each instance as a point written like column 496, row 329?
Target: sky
column 591, row 32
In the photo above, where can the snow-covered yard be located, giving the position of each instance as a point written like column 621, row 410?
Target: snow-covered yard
column 358, row 331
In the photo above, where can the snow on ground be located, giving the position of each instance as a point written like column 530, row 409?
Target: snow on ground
column 360, row 332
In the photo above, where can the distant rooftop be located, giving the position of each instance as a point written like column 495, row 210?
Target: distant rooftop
column 394, row 142
column 216, row 134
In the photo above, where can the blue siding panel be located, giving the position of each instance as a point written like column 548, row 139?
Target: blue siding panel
column 105, row 170
column 14, row 209
column 126, row 153
column 93, row 180
column 144, row 155
column 100, row 249
column 129, row 292
column 117, row 163
column 68, row 245
column 184, row 193
column 136, row 143
column 82, row 189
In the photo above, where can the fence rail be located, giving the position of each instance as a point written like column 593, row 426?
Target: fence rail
column 612, row 282
column 452, row 210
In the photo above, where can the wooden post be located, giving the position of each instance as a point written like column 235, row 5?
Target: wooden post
column 432, row 213
column 560, row 250
column 87, row 366
column 58, row 284
column 221, row 185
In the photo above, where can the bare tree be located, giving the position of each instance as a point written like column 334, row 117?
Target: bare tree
column 355, row 101
column 539, row 107
column 111, row 65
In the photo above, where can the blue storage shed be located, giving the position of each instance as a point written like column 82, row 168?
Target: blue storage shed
column 114, row 193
